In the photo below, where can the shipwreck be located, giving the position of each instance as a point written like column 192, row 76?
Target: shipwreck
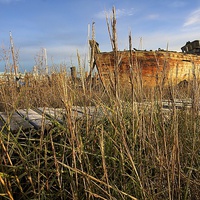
column 148, row 68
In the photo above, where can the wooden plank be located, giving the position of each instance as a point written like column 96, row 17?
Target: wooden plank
column 60, row 113
column 36, row 119
column 89, row 110
column 15, row 122
column 177, row 105
column 55, row 113
column 28, row 119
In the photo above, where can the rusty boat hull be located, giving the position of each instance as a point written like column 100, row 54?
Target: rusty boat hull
column 152, row 67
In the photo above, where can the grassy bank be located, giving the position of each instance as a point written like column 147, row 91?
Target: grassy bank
column 128, row 152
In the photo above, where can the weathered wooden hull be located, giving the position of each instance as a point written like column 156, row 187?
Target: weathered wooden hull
column 149, row 68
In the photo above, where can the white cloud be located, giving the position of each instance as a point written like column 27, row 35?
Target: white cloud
column 175, row 39
column 153, row 16
column 193, row 19
column 119, row 13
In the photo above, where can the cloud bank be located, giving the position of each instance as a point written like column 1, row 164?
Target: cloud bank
column 193, row 19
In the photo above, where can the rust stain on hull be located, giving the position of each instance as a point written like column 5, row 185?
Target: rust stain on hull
column 154, row 67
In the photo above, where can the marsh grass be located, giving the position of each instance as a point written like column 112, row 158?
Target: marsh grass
column 127, row 150
column 124, row 152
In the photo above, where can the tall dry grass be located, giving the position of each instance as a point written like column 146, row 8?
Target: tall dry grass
column 126, row 150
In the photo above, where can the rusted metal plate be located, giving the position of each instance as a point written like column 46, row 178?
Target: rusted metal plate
column 36, row 119
column 15, row 122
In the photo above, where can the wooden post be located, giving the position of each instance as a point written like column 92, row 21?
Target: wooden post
column 73, row 73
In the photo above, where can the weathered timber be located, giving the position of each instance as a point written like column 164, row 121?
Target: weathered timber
column 177, row 103
column 149, row 68
column 80, row 111
column 14, row 122
column 192, row 47
column 62, row 116
column 41, row 118
column 34, row 118
column 57, row 114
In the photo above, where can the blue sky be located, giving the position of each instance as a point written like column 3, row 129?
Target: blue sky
column 61, row 26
